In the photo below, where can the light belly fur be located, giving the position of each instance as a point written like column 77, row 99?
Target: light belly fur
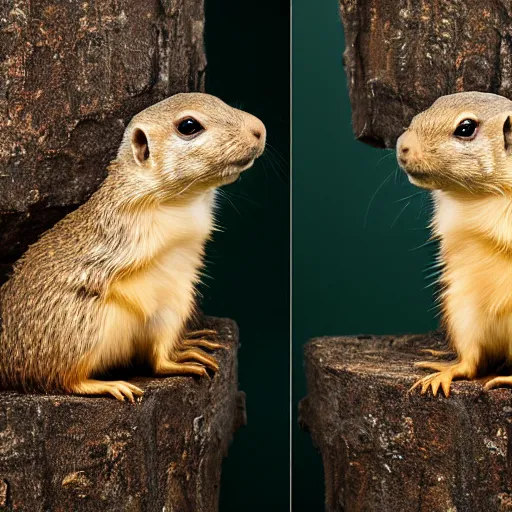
column 153, row 304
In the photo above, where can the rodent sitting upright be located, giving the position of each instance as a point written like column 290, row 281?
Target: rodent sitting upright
column 115, row 279
column 461, row 148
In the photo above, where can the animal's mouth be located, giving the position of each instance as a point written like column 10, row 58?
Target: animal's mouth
column 247, row 161
column 416, row 174
column 413, row 172
column 421, row 179
column 233, row 171
column 244, row 162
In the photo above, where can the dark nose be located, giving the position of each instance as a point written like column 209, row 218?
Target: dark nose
column 257, row 133
column 408, row 148
column 401, row 158
column 257, row 129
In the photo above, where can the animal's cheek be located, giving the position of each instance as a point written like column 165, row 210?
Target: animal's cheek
column 169, row 156
column 485, row 159
column 487, row 167
column 444, row 155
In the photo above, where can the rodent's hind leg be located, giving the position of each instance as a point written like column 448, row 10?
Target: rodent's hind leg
column 164, row 367
column 209, row 345
column 200, row 339
column 189, row 349
column 444, row 376
column 181, row 357
column 118, row 389
column 498, row 382
column 195, row 354
column 436, row 353
column 433, row 365
column 202, row 332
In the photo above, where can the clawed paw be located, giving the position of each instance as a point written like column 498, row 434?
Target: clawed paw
column 445, row 374
column 118, row 389
column 203, row 339
column 434, row 381
column 168, row 367
column 198, row 356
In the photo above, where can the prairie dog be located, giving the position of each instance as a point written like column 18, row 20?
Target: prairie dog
column 461, row 149
column 115, row 279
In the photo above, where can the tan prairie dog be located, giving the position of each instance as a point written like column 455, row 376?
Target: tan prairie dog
column 115, row 279
column 461, row 148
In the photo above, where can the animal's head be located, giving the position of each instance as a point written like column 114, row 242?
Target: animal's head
column 462, row 142
column 192, row 141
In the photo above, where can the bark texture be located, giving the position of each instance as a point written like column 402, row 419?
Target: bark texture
column 401, row 55
column 72, row 73
column 389, row 450
column 70, row 453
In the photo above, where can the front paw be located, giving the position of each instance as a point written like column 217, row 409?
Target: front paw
column 167, row 367
column 199, row 356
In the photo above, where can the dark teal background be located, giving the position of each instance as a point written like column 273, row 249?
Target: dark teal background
column 349, row 275
column 247, row 46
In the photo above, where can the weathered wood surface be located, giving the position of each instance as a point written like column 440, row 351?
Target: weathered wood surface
column 401, row 55
column 71, row 453
column 389, row 450
column 72, row 73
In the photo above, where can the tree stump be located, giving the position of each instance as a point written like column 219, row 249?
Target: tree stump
column 401, row 56
column 72, row 74
column 164, row 453
column 388, row 450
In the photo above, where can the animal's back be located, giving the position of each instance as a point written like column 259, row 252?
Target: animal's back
column 47, row 308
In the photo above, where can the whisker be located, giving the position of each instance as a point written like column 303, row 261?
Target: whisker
column 241, row 196
column 428, row 242
column 273, row 150
column 421, row 192
column 269, row 159
column 373, row 197
column 188, row 186
column 399, row 214
column 387, row 155
column 223, row 194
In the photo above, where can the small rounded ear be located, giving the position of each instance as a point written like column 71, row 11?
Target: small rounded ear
column 507, row 133
column 140, row 146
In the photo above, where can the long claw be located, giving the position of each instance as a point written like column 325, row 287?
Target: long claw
column 136, row 390
column 436, row 353
column 446, row 388
column 202, row 339
column 435, row 386
column 129, row 395
column 202, row 343
column 167, row 367
column 433, row 365
column 415, row 385
column 116, row 394
column 426, row 385
column 202, row 332
column 198, row 355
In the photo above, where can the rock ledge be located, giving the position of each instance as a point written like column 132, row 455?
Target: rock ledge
column 65, row 453
column 385, row 449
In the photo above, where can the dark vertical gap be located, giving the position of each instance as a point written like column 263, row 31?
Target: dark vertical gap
column 248, row 52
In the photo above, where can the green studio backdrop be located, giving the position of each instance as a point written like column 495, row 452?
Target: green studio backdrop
column 247, row 47
column 358, row 264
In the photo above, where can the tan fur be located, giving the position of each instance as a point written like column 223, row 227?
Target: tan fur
column 115, row 279
column 472, row 183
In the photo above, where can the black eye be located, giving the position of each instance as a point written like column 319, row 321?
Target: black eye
column 466, row 128
column 189, row 126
